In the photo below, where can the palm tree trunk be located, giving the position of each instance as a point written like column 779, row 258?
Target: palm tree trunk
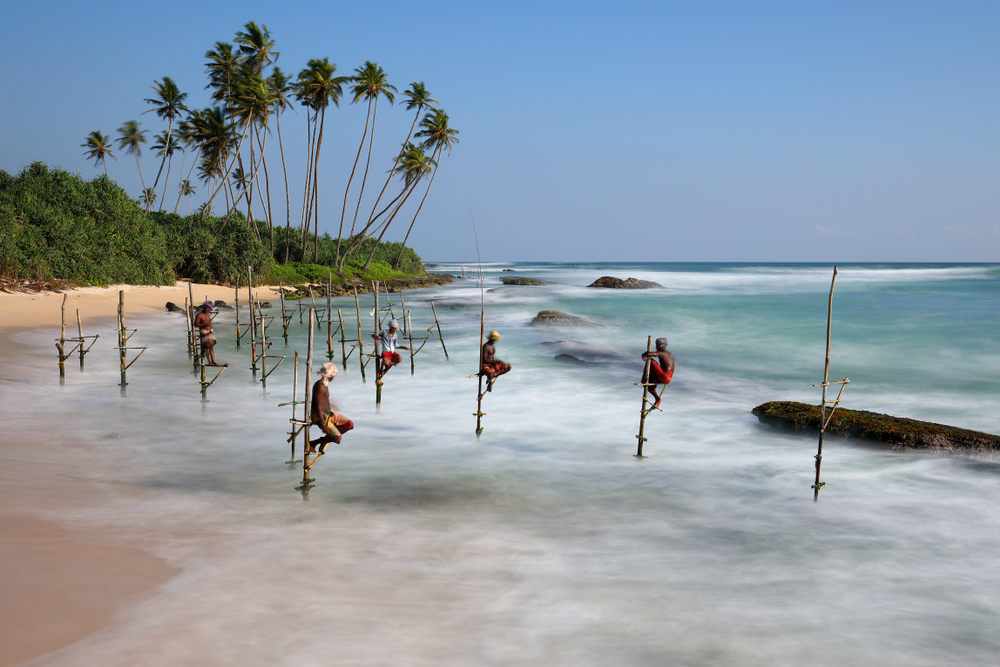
column 343, row 213
column 170, row 160
column 288, row 202
column 170, row 127
column 319, row 146
column 437, row 152
column 364, row 178
column 392, row 172
column 225, row 176
column 388, row 222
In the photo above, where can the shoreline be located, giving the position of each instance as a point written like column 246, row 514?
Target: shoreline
column 62, row 583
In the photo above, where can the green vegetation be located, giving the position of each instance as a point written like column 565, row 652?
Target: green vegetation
column 55, row 225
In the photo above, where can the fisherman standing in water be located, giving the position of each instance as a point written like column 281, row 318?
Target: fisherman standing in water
column 203, row 322
column 489, row 365
column 389, row 346
column 661, row 369
column 333, row 424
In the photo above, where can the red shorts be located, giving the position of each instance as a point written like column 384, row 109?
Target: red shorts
column 391, row 358
column 494, row 369
column 659, row 375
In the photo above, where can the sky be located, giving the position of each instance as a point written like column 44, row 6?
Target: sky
column 589, row 131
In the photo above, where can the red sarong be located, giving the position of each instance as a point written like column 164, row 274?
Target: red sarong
column 660, row 376
column 494, row 369
column 391, row 358
column 333, row 423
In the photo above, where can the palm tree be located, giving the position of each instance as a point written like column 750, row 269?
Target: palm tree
column 438, row 137
column 131, row 138
column 98, row 149
column 419, row 99
column 148, row 197
column 252, row 99
column 166, row 146
column 368, row 83
column 319, row 88
column 257, row 46
column 186, row 188
column 280, row 87
column 168, row 103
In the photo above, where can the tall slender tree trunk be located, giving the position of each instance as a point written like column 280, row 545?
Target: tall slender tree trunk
column 368, row 162
column 388, row 222
column 319, row 147
column 343, row 213
column 166, row 153
column 392, row 172
column 436, row 154
column 288, row 202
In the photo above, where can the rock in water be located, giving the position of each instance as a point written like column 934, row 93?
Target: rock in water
column 569, row 358
column 173, row 307
column 617, row 283
column 521, row 281
column 898, row 432
column 557, row 318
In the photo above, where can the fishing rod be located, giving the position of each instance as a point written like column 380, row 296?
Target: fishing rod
column 482, row 328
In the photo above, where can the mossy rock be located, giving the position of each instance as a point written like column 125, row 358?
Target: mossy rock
column 611, row 282
column 898, row 432
column 556, row 318
column 521, row 281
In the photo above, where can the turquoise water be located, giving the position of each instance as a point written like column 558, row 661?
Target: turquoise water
column 545, row 541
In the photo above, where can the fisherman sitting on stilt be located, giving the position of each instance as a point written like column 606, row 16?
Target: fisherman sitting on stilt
column 490, row 367
column 333, row 424
column 389, row 356
column 203, row 322
column 661, row 369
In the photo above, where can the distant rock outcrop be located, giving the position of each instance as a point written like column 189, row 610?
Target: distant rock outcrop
column 569, row 358
column 554, row 317
column 521, row 281
column 898, row 432
column 617, row 283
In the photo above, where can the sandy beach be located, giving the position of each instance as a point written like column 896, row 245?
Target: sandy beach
column 62, row 583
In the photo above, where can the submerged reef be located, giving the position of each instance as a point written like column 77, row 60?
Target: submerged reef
column 617, row 283
column 898, row 432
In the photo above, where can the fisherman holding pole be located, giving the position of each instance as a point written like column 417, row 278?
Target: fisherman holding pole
column 203, row 322
column 661, row 369
column 333, row 424
column 389, row 357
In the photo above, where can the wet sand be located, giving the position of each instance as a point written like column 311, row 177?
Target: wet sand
column 61, row 583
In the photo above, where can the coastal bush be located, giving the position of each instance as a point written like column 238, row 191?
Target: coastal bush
column 56, row 225
column 387, row 252
column 205, row 250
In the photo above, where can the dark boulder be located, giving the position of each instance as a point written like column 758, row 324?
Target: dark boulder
column 611, row 282
column 897, row 432
column 174, row 308
column 569, row 358
column 521, row 281
column 554, row 317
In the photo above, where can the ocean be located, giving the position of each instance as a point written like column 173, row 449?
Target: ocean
column 545, row 541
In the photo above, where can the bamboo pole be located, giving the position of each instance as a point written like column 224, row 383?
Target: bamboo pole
column 79, row 331
column 61, row 344
column 122, row 338
column 409, row 334
column 402, row 307
column 329, row 318
column 479, row 401
column 361, row 344
column 263, row 350
column 194, row 338
column 645, row 394
column 307, row 482
column 293, row 434
column 284, row 316
column 253, row 322
column 379, row 370
column 343, row 341
column 440, row 335
column 817, row 485
column 239, row 335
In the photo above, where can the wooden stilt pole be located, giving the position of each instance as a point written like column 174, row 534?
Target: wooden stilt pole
column 122, row 338
column 409, row 334
column 329, row 317
column 817, row 485
column 343, row 341
column 293, row 434
column 79, row 333
column 402, row 307
column 378, row 359
column 284, row 315
column 479, row 401
column 263, row 350
column 440, row 335
column 61, row 344
column 361, row 344
column 307, row 482
column 239, row 335
column 645, row 393
column 191, row 332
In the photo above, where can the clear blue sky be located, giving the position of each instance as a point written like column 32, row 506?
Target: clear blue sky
column 590, row 131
